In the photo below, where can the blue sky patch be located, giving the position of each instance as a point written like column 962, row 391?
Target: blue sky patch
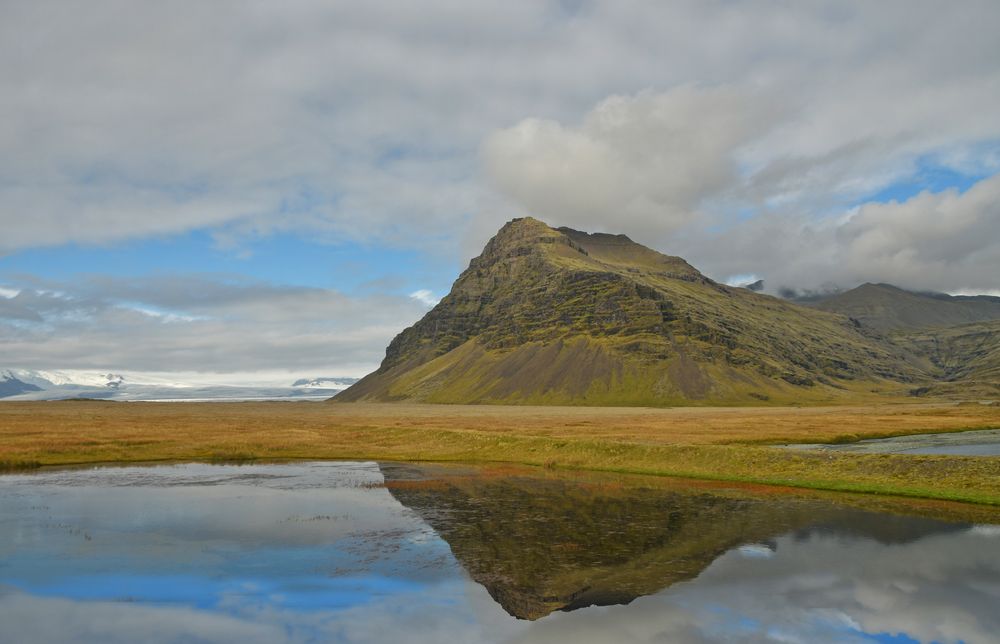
column 280, row 259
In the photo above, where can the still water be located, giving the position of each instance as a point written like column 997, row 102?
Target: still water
column 981, row 442
column 368, row 552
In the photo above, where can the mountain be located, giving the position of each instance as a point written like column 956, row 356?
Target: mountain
column 48, row 385
column 559, row 316
column 79, row 379
column 324, row 383
column 114, row 380
column 22, row 384
column 10, row 385
column 886, row 307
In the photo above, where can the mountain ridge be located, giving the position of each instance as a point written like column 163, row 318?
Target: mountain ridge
column 11, row 385
column 888, row 308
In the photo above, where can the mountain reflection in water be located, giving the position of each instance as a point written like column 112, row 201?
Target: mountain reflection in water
column 540, row 545
column 360, row 552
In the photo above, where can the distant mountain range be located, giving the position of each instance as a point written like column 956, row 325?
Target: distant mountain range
column 11, row 385
column 22, row 384
column 888, row 308
column 324, row 383
column 558, row 316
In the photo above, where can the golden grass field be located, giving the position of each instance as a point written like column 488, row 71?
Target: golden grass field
column 708, row 443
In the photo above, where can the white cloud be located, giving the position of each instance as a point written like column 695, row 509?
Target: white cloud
column 741, row 279
column 648, row 161
column 161, row 315
column 947, row 241
column 700, row 172
column 198, row 323
column 425, row 297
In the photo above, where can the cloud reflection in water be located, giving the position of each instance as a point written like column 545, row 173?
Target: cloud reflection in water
column 320, row 552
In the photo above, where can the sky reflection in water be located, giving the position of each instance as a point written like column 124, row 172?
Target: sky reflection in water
column 322, row 552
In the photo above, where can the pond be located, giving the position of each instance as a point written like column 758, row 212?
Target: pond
column 981, row 442
column 369, row 552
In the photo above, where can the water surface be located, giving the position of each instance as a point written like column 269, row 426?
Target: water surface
column 362, row 552
column 983, row 442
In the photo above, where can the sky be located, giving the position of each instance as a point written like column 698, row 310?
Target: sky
column 250, row 188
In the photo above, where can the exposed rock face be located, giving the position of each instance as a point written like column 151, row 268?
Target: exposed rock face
column 964, row 360
column 559, row 316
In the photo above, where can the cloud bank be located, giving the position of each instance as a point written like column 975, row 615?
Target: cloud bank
column 948, row 241
column 198, row 323
column 650, row 160
column 366, row 121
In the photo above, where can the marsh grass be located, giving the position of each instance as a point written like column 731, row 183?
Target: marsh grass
column 724, row 444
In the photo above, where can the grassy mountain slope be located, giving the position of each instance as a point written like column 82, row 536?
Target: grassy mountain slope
column 885, row 307
column 964, row 359
column 559, row 316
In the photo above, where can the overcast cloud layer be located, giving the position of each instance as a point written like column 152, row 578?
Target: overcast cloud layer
column 746, row 137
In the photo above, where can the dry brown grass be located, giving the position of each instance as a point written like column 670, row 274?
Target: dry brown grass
column 714, row 443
